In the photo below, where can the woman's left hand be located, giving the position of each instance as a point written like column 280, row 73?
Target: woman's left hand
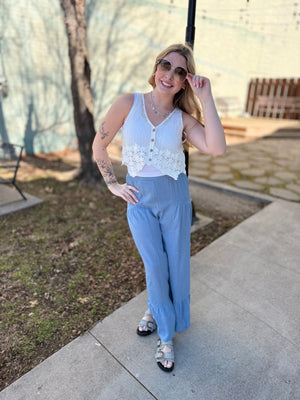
column 200, row 86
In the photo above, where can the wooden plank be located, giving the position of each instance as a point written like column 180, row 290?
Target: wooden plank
column 255, row 93
column 297, row 93
column 252, row 97
column 283, row 91
column 247, row 108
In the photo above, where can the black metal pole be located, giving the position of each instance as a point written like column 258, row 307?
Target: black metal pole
column 189, row 41
column 190, row 29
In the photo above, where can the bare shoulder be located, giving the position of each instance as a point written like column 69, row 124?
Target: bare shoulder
column 125, row 101
column 120, row 109
column 127, row 98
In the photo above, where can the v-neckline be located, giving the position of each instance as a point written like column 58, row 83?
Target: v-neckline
column 148, row 119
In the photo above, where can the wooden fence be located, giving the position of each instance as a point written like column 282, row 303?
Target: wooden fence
column 274, row 98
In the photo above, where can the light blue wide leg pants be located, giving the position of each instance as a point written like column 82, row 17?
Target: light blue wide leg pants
column 160, row 224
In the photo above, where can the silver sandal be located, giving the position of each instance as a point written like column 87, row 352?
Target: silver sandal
column 150, row 325
column 161, row 356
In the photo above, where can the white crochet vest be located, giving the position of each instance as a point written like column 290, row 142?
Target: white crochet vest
column 158, row 146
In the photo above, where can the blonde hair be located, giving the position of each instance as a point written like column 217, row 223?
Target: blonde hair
column 185, row 98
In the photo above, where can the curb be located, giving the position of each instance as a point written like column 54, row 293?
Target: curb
column 227, row 189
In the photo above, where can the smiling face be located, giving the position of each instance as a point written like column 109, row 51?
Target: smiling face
column 165, row 80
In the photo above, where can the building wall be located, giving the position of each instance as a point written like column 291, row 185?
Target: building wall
column 235, row 41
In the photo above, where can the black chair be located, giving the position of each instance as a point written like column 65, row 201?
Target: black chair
column 10, row 157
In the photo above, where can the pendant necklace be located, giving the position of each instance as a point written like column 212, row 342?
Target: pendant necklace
column 156, row 111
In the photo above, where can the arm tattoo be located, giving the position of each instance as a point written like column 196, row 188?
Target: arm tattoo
column 107, row 172
column 102, row 131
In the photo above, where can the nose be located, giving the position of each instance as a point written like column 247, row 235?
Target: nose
column 170, row 74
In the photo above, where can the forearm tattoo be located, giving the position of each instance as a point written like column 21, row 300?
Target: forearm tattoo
column 107, row 172
column 102, row 131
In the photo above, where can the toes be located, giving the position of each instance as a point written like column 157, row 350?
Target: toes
column 145, row 328
column 167, row 364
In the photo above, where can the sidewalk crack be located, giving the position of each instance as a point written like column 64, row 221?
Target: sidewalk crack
column 122, row 365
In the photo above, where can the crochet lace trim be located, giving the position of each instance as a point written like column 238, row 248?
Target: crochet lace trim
column 134, row 157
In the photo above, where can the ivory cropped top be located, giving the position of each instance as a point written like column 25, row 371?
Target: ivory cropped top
column 157, row 146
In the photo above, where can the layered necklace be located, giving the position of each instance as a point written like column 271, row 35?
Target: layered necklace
column 156, row 110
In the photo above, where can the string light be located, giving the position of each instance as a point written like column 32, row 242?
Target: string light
column 264, row 19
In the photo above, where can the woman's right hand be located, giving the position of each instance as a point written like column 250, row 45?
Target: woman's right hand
column 126, row 192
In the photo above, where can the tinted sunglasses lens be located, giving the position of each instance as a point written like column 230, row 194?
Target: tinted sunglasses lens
column 180, row 74
column 164, row 65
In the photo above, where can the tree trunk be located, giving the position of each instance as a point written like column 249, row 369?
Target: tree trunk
column 75, row 21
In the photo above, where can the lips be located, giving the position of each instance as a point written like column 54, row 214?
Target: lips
column 166, row 85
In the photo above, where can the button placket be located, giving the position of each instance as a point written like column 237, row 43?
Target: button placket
column 152, row 141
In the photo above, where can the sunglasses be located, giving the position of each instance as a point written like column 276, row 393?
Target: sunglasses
column 165, row 66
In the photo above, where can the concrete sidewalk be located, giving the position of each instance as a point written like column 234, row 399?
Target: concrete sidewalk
column 243, row 343
column 11, row 200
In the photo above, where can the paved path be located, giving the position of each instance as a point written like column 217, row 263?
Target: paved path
column 243, row 343
column 269, row 166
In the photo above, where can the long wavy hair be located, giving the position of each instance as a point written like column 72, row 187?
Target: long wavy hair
column 185, row 98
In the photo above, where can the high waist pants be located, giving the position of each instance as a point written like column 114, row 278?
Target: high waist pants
column 160, row 224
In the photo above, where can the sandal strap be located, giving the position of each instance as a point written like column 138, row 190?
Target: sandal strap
column 164, row 355
column 151, row 325
column 161, row 343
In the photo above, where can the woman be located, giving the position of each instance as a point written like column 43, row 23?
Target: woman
column 154, row 126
